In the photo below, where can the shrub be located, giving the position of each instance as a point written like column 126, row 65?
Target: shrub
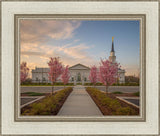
column 79, row 83
column 114, row 104
column 125, row 111
column 106, row 101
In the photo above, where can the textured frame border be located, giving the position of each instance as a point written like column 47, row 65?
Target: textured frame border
column 142, row 36
column 87, row 1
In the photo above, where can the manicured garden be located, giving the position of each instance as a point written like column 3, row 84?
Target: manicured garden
column 109, row 104
column 50, row 105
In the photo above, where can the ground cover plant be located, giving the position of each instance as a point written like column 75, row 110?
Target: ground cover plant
column 109, row 105
column 50, row 105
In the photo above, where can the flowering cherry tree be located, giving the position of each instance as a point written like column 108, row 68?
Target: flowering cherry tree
column 55, row 70
column 65, row 75
column 93, row 75
column 24, row 71
column 108, row 73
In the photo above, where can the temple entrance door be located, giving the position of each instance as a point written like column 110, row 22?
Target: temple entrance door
column 79, row 77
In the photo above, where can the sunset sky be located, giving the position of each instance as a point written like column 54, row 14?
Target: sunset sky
column 84, row 42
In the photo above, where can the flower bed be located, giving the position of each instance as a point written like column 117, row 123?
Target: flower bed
column 50, row 105
column 109, row 105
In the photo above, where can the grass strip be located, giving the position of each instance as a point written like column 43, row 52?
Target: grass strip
column 117, row 92
column 33, row 94
column 136, row 93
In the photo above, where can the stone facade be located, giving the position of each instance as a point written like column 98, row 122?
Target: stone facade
column 79, row 74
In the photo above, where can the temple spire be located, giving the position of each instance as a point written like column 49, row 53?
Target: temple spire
column 112, row 50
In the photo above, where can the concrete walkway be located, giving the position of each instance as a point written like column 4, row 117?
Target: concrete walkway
column 79, row 103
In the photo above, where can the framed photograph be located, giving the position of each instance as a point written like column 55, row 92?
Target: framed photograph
column 80, row 68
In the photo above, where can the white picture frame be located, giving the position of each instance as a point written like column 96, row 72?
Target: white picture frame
column 149, row 125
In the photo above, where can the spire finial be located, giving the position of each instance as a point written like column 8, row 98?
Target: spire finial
column 112, row 50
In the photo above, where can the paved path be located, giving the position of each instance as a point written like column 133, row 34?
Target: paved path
column 47, row 89
column 79, row 103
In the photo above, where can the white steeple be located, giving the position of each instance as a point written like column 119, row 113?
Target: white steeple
column 112, row 56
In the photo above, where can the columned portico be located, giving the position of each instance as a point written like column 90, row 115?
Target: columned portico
column 80, row 73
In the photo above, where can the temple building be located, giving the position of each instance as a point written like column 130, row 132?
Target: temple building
column 79, row 73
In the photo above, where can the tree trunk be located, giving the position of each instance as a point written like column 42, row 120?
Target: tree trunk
column 106, row 89
column 52, row 89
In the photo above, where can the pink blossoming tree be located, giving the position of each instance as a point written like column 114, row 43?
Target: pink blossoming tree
column 93, row 75
column 108, row 73
column 24, row 71
column 65, row 75
column 55, row 70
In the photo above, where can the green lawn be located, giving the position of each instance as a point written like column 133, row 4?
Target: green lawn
column 117, row 92
column 33, row 94
column 46, row 85
column 136, row 94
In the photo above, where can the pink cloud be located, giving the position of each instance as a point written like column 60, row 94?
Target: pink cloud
column 38, row 31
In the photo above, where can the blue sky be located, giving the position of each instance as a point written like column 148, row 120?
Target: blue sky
column 80, row 42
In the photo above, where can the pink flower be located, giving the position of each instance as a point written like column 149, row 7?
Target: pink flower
column 93, row 75
column 24, row 71
column 108, row 72
column 65, row 75
column 56, row 69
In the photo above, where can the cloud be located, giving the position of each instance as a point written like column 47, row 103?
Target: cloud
column 131, row 69
column 69, row 54
column 32, row 53
column 78, row 51
column 36, row 48
column 40, row 31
